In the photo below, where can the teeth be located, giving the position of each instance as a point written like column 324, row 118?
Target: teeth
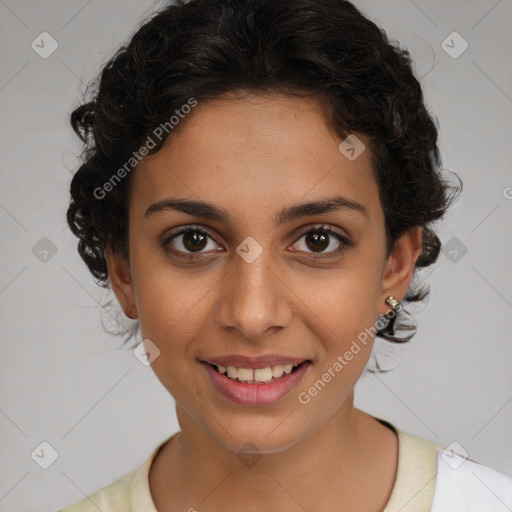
column 277, row 371
column 256, row 374
column 262, row 374
column 245, row 374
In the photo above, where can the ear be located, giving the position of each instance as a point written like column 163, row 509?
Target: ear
column 121, row 281
column 399, row 267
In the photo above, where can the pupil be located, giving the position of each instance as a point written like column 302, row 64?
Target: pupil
column 320, row 241
column 194, row 240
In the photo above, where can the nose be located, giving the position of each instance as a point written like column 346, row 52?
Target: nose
column 254, row 300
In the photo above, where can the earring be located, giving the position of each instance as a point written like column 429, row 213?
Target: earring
column 392, row 302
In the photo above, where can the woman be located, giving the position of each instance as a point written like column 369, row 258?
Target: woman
column 259, row 184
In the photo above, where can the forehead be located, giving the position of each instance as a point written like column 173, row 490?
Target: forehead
column 255, row 152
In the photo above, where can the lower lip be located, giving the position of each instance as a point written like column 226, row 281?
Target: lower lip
column 256, row 394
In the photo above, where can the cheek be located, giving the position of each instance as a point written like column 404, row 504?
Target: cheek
column 345, row 326
column 345, row 300
column 173, row 320
column 342, row 312
column 171, row 310
column 167, row 295
column 167, row 300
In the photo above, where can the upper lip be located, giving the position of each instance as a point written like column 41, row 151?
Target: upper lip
column 262, row 361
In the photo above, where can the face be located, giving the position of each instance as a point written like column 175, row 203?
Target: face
column 235, row 274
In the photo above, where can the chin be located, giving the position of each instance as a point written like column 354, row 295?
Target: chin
column 258, row 437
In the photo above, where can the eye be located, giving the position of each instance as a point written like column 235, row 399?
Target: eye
column 192, row 240
column 322, row 240
column 189, row 241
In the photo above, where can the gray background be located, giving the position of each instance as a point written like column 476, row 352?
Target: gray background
column 62, row 378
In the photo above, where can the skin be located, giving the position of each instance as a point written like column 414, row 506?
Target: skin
column 254, row 155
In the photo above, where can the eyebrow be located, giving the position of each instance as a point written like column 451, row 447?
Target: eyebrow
column 209, row 211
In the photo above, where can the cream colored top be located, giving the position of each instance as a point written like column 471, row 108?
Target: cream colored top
column 413, row 489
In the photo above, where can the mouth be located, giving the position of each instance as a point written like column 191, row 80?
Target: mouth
column 256, row 383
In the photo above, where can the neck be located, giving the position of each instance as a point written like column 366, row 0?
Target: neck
column 350, row 457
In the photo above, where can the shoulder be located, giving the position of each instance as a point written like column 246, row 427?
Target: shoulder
column 415, row 480
column 435, row 479
column 130, row 492
column 112, row 498
column 466, row 485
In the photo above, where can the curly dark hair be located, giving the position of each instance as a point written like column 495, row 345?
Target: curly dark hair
column 202, row 49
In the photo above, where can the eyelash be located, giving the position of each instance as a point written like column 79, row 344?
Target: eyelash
column 321, row 228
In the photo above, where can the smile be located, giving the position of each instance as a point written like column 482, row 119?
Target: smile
column 259, row 383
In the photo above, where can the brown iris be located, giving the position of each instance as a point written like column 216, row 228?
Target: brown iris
column 318, row 240
column 193, row 240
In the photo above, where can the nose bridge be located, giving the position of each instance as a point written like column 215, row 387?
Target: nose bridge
column 252, row 280
column 253, row 301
